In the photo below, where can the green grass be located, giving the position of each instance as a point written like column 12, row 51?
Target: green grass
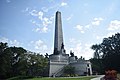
column 74, row 78
column 20, row 78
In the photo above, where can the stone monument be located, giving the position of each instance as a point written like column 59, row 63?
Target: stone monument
column 59, row 59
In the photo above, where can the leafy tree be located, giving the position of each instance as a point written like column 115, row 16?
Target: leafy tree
column 10, row 59
column 111, row 52
column 37, row 65
column 110, row 49
column 97, row 52
column 69, row 70
column 4, row 60
column 97, row 66
column 16, row 61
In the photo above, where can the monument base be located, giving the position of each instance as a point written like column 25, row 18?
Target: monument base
column 57, row 63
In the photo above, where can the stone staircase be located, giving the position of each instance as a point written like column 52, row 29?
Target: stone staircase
column 59, row 72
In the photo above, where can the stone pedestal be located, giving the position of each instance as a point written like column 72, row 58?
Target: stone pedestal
column 57, row 63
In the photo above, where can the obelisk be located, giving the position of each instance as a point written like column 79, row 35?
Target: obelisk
column 59, row 58
column 58, row 39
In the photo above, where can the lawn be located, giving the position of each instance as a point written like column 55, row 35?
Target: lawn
column 75, row 78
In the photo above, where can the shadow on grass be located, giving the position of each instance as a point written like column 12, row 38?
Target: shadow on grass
column 64, row 78
column 20, row 78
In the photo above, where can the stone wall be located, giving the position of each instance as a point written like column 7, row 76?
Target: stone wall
column 82, row 67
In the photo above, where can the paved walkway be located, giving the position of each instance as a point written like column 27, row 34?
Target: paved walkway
column 98, row 77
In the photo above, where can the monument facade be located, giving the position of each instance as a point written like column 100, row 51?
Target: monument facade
column 59, row 59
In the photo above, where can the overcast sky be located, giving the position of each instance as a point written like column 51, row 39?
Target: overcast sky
column 30, row 23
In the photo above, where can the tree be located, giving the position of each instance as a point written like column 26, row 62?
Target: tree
column 16, row 61
column 38, row 65
column 4, row 60
column 97, row 66
column 69, row 70
column 111, row 52
column 110, row 49
column 97, row 49
column 12, row 60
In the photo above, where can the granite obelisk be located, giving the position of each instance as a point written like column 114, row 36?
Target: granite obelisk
column 58, row 39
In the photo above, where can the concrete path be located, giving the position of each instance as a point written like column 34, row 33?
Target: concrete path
column 98, row 77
